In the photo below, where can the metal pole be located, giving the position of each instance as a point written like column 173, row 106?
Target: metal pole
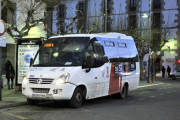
column 86, row 16
column 0, row 9
column 105, row 22
column 149, row 78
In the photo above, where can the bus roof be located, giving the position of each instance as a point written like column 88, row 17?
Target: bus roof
column 103, row 35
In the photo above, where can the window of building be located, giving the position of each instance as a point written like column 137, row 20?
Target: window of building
column 156, row 37
column 108, row 6
column 81, row 9
column 80, row 25
column 61, row 11
column 156, row 20
column 132, row 21
column 132, row 5
column 4, row 14
column 157, row 4
column 108, row 24
column 62, row 27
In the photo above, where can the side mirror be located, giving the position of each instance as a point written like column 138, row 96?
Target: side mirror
column 31, row 62
column 89, row 63
column 105, row 59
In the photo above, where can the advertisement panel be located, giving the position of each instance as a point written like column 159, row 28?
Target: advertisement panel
column 123, row 69
column 25, row 53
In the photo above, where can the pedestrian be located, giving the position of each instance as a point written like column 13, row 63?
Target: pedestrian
column 163, row 71
column 168, row 71
column 151, row 71
column 9, row 74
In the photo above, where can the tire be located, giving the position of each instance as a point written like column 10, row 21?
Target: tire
column 77, row 98
column 32, row 102
column 173, row 77
column 124, row 92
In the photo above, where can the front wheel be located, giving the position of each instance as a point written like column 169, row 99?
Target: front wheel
column 173, row 77
column 32, row 102
column 77, row 98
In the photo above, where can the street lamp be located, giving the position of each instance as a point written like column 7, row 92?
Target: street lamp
column 149, row 16
column 149, row 78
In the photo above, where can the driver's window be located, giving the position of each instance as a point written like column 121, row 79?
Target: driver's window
column 99, row 53
column 89, row 52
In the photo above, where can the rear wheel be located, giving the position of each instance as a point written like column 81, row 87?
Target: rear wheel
column 124, row 92
column 173, row 77
column 77, row 98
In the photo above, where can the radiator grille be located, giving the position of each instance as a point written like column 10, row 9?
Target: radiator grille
column 40, row 90
column 44, row 80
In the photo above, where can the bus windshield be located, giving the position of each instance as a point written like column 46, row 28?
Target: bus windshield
column 63, row 51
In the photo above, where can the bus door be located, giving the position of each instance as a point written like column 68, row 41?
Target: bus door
column 95, row 77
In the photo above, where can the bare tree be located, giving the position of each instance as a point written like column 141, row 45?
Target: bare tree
column 31, row 14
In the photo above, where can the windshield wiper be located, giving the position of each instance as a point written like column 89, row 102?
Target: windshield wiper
column 40, row 65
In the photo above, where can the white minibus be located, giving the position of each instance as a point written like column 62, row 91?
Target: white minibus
column 82, row 66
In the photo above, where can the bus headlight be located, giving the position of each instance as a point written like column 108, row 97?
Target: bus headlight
column 24, row 79
column 62, row 79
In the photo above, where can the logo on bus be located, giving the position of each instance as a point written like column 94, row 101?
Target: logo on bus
column 39, row 81
column 107, row 75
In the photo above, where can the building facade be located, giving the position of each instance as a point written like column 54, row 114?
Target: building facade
column 17, row 15
column 92, row 16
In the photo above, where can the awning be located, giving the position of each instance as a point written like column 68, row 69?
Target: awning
column 37, row 31
column 9, row 39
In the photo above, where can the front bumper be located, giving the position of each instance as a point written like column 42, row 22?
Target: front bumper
column 48, row 91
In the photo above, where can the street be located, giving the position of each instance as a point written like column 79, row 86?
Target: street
column 159, row 102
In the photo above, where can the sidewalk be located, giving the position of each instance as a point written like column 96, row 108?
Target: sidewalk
column 12, row 99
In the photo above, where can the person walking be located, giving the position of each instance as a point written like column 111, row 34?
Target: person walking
column 168, row 71
column 9, row 74
column 163, row 71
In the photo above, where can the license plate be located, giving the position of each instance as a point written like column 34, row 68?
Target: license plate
column 39, row 95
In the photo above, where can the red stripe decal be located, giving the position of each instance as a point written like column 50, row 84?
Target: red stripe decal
column 120, row 84
column 114, row 82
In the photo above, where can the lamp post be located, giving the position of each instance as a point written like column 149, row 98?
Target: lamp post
column 149, row 78
column 146, row 16
column 105, row 21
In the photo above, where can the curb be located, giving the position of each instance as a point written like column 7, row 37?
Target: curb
column 150, row 85
column 13, row 105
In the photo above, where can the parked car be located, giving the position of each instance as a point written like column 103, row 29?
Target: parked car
column 175, row 75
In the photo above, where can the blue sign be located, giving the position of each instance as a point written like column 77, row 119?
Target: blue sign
column 27, row 58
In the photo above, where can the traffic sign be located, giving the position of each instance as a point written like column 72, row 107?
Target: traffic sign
column 153, row 54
